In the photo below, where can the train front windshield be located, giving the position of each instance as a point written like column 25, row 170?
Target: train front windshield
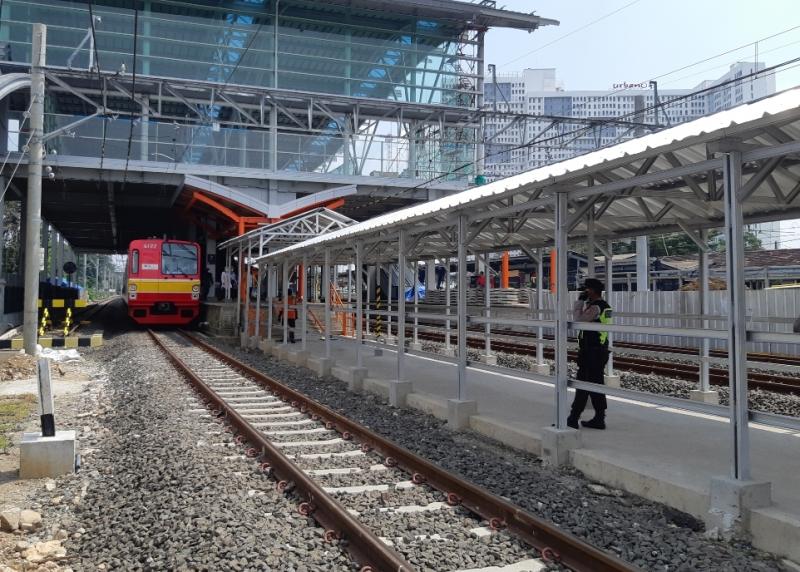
column 178, row 258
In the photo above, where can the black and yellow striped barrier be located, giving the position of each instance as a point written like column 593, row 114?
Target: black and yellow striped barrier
column 92, row 341
column 62, row 303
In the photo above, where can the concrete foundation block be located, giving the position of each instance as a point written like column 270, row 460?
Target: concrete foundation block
column 378, row 352
column 296, row 356
column 415, row 347
column 353, row 376
column 704, row 396
column 41, row 457
column 390, row 340
column 730, row 503
column 459, row 412
column 448, row 352
column 266, row 346
column 279, row 351
column 542, row 368
column 557, row 444
column 488, row 359
column 612, row 380
column 320, row 366
column 398, row 392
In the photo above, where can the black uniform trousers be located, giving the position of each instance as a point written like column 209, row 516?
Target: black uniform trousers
column 592, row 361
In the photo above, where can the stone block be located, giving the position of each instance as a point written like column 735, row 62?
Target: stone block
column 415, row 346
column 704, row 396
column 488, row 359
column 459, row 411
column 730, row 503
column 296, row 356
column 556, row 445
column 612, row 380
column 320, row 365
column 398, row 392
column 448, row 352
column 41, row 457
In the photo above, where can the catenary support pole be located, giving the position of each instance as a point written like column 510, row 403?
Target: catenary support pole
column 737, row 325
column 462, row 307
column 33, row 215
column 272, row 278
column 447, row 344
column 415, row 286
column 389, row 273
column 642, row 264
column 368, row 301
column 401, row 306
column 562, row 307
column 258, row 302
column 304, row 304
column 590, row 270
column 487, row 302
column 246, row 285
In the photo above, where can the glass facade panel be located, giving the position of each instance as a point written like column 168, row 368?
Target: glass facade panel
column 319, row 48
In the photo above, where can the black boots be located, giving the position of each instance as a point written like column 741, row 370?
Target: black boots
column 572, row 421
column 597, row 422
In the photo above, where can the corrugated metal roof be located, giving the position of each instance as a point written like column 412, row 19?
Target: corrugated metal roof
column 652, row 184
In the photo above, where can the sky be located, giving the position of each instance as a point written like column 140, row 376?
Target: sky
column 602, row 42
column 648, row 38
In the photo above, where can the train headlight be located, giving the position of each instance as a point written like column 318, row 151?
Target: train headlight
column 195, row 288
column 131, row 287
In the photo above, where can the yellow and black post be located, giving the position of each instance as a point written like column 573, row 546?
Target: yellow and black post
column 378, row 308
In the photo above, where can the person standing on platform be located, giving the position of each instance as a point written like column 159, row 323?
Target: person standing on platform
column 592, row 354
column 481, row 281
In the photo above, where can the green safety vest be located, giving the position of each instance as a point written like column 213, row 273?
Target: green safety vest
column 588, row 338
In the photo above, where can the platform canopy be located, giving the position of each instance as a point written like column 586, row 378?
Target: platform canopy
column 669, row 181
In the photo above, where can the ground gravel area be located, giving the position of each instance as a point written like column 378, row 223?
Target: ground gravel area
column 649, row 535
column 163, row 489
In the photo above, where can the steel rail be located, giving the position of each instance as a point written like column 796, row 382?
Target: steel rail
column 689, row 372
column 553, row 543
column 366, row 548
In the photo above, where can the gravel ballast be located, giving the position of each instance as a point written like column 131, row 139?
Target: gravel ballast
column 160, row 494
column 644, row 533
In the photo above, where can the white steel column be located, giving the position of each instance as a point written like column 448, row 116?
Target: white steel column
column 415, row 285
column 540, row 306
column 642, row 264
column 285, row 301
column 258, row 302
column 359, row 305
column 304, row 326
column 368, row 309
column 401, row 306
column 562, row 309
column 462, row 307
column 272, row 278
column 704, row 308
column 737, row 332
column 245, row 281
column 590, row 273
column 389, row 302
column 487, row 302
column 326, row 286
column 609, row 290
column 448, row 349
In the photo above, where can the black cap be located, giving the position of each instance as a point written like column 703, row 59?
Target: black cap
column 593, row 284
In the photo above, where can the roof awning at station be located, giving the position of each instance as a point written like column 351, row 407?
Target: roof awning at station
column 670, row 181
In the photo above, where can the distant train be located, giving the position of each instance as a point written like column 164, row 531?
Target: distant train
column 163, row 281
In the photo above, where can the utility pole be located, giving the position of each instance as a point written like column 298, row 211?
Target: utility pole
column 33, row 213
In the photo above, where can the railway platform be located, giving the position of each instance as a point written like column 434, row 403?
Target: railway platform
column 661, row 453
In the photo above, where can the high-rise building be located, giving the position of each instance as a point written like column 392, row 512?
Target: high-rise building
column 563, row 123
column 538, row 122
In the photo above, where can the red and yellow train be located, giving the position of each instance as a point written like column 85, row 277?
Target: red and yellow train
column 163, row 281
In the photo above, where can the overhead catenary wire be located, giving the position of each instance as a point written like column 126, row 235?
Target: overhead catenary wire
column 769, row 70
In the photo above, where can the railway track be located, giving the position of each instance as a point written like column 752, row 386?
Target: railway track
column 689, row 372
column 364, row 490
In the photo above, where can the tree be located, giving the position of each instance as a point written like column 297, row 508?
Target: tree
column 677, row 244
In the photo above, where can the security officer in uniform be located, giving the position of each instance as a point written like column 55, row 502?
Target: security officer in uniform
column 592, row 354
